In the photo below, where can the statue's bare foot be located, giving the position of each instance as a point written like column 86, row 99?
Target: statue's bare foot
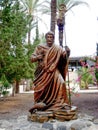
column 37, row 106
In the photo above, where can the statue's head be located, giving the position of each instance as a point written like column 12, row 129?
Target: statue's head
column 49, row 33
column 49, row 38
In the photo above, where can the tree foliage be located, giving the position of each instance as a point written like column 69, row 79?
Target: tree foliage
column 14, row 58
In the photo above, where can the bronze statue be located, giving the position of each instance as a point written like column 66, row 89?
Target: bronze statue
column 50, row 93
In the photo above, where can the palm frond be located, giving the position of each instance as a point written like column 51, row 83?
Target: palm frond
column 72, row 4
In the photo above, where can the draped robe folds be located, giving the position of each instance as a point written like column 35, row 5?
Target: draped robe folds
column 49, row 82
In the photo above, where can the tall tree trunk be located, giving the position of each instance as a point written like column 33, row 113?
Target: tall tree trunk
column 13, row 89
column 29, row 35
column 17, row 87
column 53, row 15
column 30, row 22
column 61, row 23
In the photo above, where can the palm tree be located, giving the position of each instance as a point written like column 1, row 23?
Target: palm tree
column 63, row 6
column 53, row 15
column 32, row 7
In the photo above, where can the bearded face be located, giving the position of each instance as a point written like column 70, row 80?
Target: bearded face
column 49, row 39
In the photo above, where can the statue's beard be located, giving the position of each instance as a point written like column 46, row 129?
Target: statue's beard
column 50, row 43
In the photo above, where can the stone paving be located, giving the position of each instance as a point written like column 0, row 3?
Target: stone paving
column 84, row 122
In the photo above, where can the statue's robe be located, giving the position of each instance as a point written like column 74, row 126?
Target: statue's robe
column 50, row 91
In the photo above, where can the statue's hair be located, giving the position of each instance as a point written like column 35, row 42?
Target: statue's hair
column 49, row 32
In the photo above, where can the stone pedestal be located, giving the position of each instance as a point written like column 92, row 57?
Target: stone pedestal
column 61, row 115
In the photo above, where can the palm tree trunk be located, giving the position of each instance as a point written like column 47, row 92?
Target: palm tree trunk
column 29, row 35
column 53, row 15
column 60, row 23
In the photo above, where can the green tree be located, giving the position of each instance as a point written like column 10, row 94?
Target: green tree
column 13, row 30
column 85, row 77
column 4, row 85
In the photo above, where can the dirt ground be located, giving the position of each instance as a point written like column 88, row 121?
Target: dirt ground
column 12, row 107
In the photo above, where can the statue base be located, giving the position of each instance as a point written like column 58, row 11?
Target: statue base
column 61, row 115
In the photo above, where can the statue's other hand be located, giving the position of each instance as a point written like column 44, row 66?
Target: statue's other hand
column 67, row 50
column 64, row 54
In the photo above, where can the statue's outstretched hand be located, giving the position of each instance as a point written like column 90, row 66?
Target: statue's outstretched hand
column 67, row 51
